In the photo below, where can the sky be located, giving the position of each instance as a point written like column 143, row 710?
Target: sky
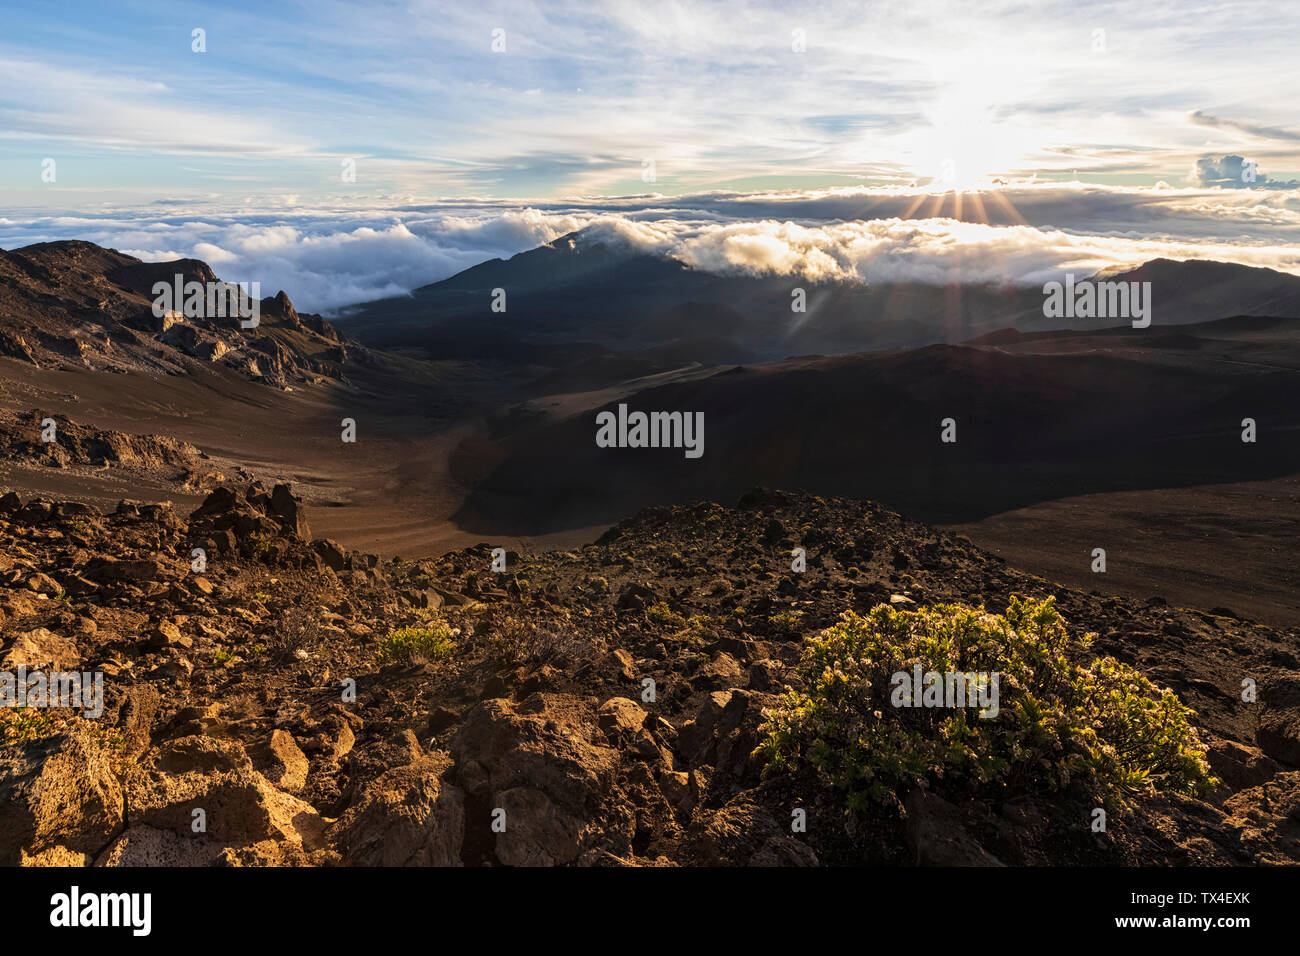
column 356, row 149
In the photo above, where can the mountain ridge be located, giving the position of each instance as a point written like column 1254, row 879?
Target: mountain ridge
column 75, row 304
column 577, row 289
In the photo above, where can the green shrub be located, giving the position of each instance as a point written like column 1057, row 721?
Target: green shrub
column 413, row 645
column 785, row 622
column 23, row 724
column 702, row 627
column 1059, row 725
column 661, row 613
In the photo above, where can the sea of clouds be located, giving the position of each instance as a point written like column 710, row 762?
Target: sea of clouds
column 328, row 258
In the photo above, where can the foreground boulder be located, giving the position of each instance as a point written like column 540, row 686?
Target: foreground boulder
column 207, row 788
column 541, row 770
column 59, row 795
column 410, row 816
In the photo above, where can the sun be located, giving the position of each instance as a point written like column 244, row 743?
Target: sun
column 964, row 143
column 960, row 149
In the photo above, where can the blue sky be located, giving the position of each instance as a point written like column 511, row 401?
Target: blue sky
column 1106, row 122
column 585, row 93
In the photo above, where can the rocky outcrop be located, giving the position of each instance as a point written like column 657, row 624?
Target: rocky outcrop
column 282, row 761
column 193, row 342
column 40, row 649
column 76, row 305
column 77, row 444
column 251, row 511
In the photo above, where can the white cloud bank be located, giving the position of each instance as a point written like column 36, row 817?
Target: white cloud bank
column 327, row 259
column 939, row 251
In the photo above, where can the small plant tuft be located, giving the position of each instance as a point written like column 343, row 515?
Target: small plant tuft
column 23, row 724
column 661, row 613
column 260, row 543
column 417, row 645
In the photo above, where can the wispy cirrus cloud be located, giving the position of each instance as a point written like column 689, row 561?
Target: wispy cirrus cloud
column 578, row 96
column 1249, row 129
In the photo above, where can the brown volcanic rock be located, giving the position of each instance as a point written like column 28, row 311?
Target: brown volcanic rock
column 76, row 305
column 588, row 766
column 239, row 806
column 114, row 570
column 1266, row 819
column 1279, row 720
column 745, row 833
column 60, row 792
column 282, row 762
column 40, row 648
column 77, row 444
column 287, row 509
column 150, row 846
column 546, row 764
column 937, row 835
column 251, row 512
column 1238, row 766
column 410, row 816
column 193, row 342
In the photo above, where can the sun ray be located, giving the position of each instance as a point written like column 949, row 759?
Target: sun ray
column 977, row 200
column 1003, row 203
